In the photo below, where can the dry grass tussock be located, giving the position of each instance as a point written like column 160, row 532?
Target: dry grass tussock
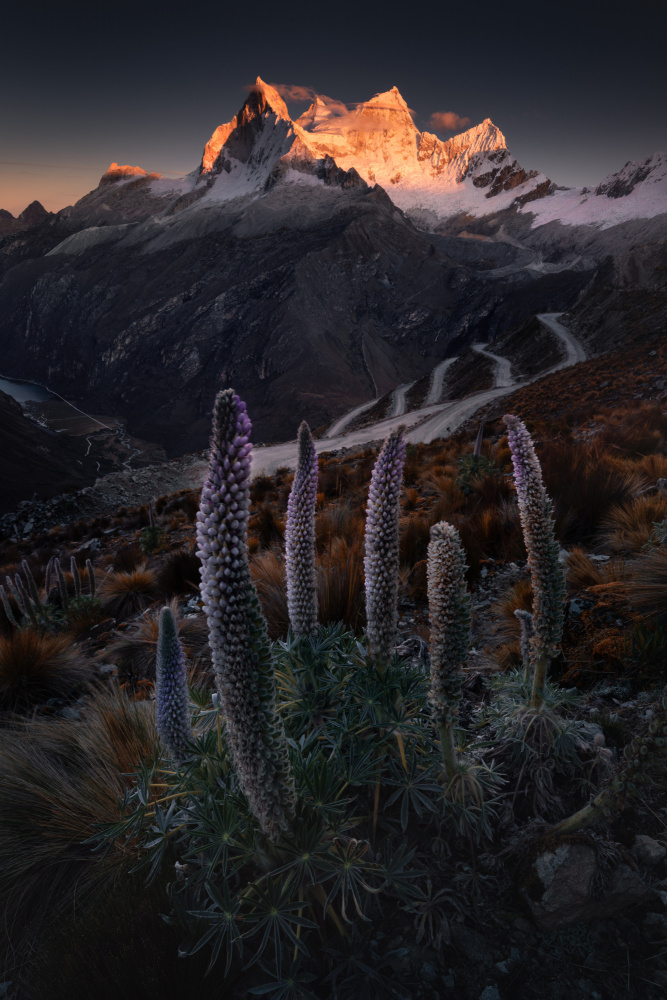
column 340, row 581
column 581, row 571
column 268, row 574
column 59, row 780
column 37, row 666
column 126, row 593
column 179, row 572
column 628, row 528
column 134, row 648
column 585, row 483
column 648, row 591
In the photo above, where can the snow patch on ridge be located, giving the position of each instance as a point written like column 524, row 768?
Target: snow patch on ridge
column 638, row 191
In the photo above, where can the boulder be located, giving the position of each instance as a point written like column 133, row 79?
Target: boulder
column 648, row 851
column 559, row 890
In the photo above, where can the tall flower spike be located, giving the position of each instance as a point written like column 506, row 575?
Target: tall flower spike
column 238, row 636
column 548, row 580
column 449, row 614
column 381, row 541
column 172, row 708
column 300, row 539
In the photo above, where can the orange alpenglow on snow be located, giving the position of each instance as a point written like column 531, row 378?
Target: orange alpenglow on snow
column 116, row 172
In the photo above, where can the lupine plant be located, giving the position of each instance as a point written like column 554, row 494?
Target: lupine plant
column 548, row 579
column 239, row 641
column 449, row 613
column 300, row 539
column 381, row 555
column 172, row 709
column 41, row 612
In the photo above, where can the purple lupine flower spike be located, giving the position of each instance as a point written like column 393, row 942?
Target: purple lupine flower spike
column 381, row 556
column 449, row 614
column 172, row 708
column 300, row 539
column 238, row 636
column 547, row 577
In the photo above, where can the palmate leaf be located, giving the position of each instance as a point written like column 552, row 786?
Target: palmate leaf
column 291, row 985
column 304, row 851
column 357, row 760
column 415, row 789
column 159, row 838
column 322, row 788
column 223, row 930
column 354, row 977
column 398, row 873
column 350, row 870
column 275, row 915
column 223, row 838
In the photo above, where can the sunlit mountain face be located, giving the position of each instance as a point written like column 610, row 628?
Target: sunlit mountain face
column 316, row 262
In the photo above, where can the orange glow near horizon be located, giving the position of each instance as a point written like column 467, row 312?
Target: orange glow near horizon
column 54, row 185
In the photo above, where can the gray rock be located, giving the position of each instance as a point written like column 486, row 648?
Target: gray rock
column 428, row 972
column 489, row 993
column 648, row 851
column 559, row 891
column 471, row 943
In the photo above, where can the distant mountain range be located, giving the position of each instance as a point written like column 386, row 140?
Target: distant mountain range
column 314, row 264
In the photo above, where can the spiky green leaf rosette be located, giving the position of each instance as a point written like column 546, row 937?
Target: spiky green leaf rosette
column 172, row 710
column 548, row 580
column 300, row 539
column 381, row 542
column 449, row 613
column 239, row 641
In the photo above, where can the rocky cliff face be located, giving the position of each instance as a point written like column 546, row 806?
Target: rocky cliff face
column 34, row 460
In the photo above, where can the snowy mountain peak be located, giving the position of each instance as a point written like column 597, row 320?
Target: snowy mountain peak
column 263, row 109
column 262, row 100
column 390, row 100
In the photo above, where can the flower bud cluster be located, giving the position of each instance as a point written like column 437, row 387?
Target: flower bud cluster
column 537, row 521
column 300, row 538
column 449, row 614
column 172, row 708
column 238, row 637
column 381, row 546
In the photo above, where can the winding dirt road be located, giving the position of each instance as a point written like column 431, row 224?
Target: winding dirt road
column 431, row 421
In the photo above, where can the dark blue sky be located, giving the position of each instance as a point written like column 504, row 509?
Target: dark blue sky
column 577, row 88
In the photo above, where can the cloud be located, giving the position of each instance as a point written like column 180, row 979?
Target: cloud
column 293, row 92
column 448, row 121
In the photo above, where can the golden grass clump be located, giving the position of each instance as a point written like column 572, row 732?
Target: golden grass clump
column 340, row 580
column 628, row 527
column 648, row 590
column 59, row 781
column 36, row 666
column 126, row 593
